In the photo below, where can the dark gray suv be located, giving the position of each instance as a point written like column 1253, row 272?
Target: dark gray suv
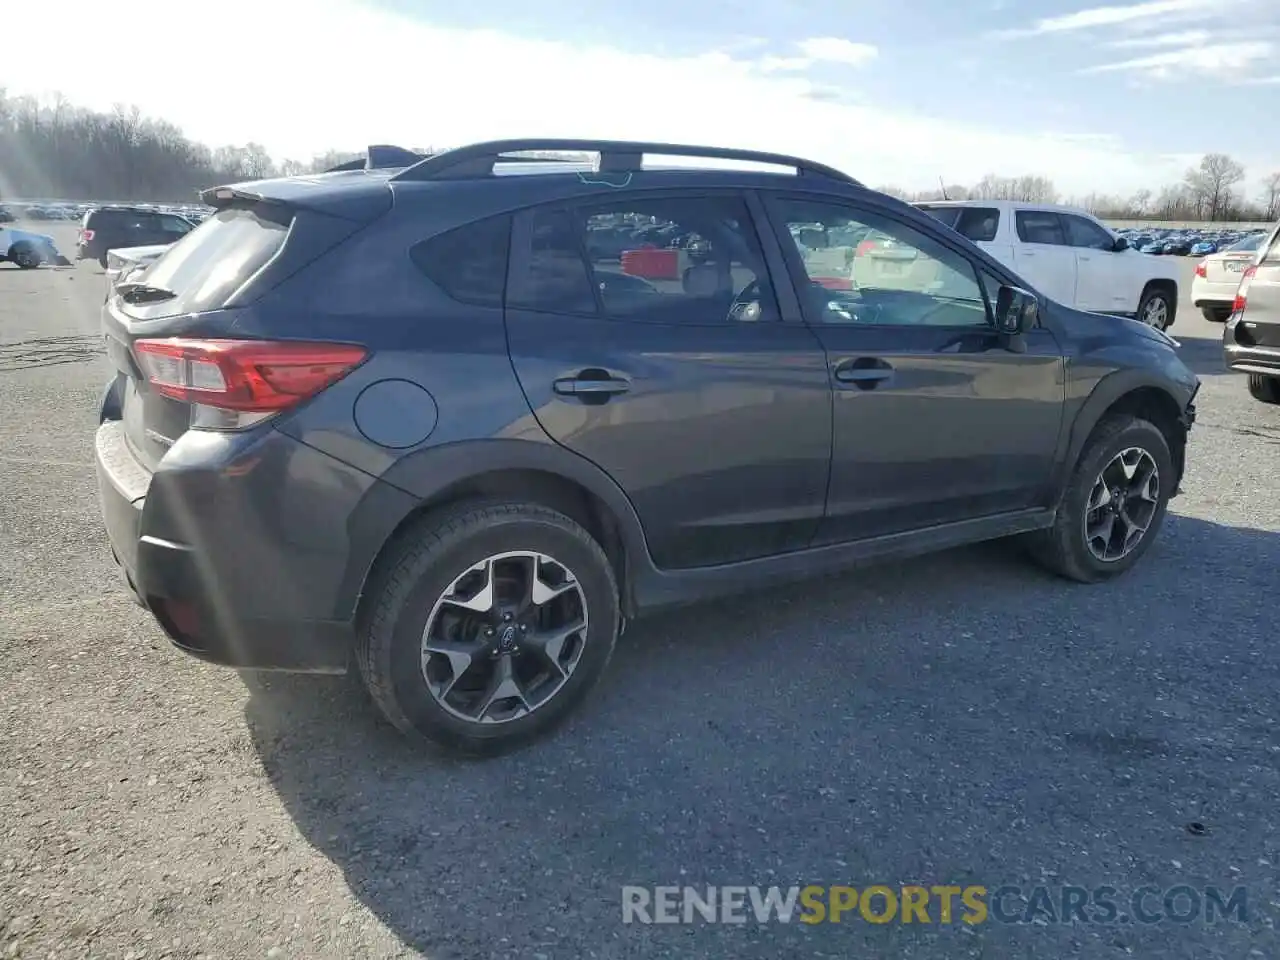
column 457, row 419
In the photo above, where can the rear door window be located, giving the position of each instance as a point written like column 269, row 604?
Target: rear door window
column 207, row 266
column 1086, row 233
column 468, row 263
column 1040, row 226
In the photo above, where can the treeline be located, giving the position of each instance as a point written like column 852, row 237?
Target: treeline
column 1210, row 192
column 56, row 150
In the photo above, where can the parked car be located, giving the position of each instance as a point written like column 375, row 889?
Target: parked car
column 28, row 250
column 1217, row 277
column 399, row 415
column 109, row 227
column 1068, row 256
column 1202, row 248
column 1251, row 338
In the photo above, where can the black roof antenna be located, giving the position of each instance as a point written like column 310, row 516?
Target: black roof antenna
column 944, row 188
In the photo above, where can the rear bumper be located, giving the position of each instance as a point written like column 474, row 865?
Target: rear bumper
column 1207, row 293
column 1244, row 354
column 240, row 552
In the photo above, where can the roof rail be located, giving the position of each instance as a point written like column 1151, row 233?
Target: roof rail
column 478, row 159
column 381, row 157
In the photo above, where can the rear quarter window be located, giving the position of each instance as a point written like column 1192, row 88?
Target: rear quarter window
column 469, row 263
column 211, row 263
column 980, row 224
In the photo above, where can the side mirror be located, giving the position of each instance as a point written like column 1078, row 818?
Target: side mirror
column 1120, row 244
column 1017, row 311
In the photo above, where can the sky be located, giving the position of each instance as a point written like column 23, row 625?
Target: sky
column 1103, row 97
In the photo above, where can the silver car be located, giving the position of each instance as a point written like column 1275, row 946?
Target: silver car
column 1251, row 341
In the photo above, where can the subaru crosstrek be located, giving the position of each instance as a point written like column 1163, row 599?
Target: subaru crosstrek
column 457, row 419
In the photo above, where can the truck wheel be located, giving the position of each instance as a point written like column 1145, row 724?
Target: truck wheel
column 1266, row 389
column 488, row 625
column 1156, row 308
column 1114, row 503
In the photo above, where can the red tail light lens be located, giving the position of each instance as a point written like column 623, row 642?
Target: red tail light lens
column 1201, row 269
column 254, row 376
column 1242, row 291
column 85, row 235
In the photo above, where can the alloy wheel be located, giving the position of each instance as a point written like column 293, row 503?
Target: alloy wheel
column 1122, row 504
column 1156, row 313
column 504, row 637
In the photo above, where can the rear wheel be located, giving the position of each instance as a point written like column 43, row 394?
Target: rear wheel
column 1216, row 314
column 102, row 261
column 488, row 626
column 25, row 256
column 1114, row 504
column 1266, row 389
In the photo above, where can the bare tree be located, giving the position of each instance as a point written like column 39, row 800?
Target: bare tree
column 1271, row 196
column 1211, row 183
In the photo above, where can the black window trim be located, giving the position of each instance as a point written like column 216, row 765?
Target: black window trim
column 935, row 230
column 522, row 238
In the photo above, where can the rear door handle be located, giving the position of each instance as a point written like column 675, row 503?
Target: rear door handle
column 601, row 387
column 866, row 372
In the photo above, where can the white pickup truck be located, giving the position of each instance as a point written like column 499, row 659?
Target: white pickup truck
column 1068, row 256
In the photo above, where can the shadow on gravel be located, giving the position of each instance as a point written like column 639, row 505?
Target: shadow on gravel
column 962, row 718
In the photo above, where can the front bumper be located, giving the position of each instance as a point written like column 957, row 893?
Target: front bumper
column 241, row 560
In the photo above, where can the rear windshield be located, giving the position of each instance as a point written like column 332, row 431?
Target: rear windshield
column 977, row 223
column 208, row 265
column 1245, row 244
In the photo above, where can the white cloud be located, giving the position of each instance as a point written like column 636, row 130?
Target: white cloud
column 1114, row 16
column 1188, row 38
column 299, row 83
column 820, row 50
column 1224, row 58
column 836, row 50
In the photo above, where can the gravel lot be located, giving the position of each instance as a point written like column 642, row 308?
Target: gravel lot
column 957, row 719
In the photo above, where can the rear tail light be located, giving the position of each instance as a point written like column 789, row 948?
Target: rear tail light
column 1201, row 269
column 232, row 384
column 1242, row 291
column 85, row 235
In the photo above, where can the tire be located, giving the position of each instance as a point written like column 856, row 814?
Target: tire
column 1216, row 314
column 1064, row 548
column 1151, row 300
column 102, row 261
column 1264, row 388
column 25, row 256
column 429, row 561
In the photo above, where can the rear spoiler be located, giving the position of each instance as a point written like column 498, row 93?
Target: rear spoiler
column 381, row 157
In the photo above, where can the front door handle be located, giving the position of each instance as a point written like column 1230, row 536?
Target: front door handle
column 591, row 384
column 865, row 372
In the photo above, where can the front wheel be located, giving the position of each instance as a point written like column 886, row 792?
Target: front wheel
column 1266, row 389
column 488, row 626
column 1156, row 308
column 1114, row 504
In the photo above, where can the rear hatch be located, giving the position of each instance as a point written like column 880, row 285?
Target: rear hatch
column 1260, row 325
column 187, row 293
column 1229, row 266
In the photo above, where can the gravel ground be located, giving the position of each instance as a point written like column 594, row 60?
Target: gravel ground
column 957, row 719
